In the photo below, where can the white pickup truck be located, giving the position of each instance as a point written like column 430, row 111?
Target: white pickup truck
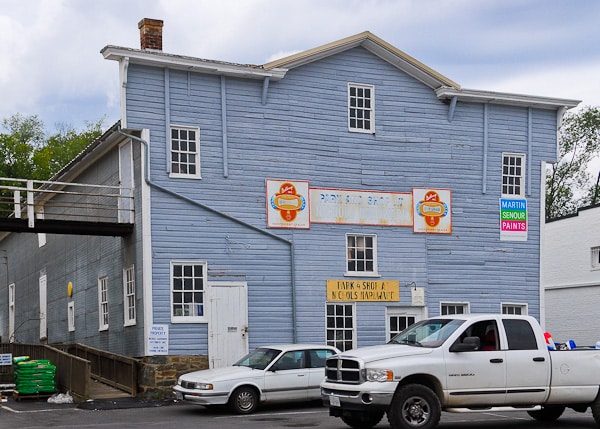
column 460, row 363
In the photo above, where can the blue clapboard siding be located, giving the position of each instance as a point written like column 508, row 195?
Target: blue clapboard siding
column 301, row 134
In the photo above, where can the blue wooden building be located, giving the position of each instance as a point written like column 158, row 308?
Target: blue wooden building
column 335, row 195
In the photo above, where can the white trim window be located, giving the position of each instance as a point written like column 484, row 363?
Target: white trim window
column 361, row 108
column 188, row 290
column 397, row 321
column 340, row 323
column 514, row 308
column 361, row 255
column 185, row 152
column 103, row 303
column 513, row 174
column 11, row 312
column 596, row 258
column 71, row 316
column 129, row 296
column 449, row 308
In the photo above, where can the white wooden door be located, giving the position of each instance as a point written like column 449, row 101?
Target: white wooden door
column 228, row 323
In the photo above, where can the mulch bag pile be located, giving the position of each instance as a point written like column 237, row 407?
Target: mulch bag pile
column 34, row 376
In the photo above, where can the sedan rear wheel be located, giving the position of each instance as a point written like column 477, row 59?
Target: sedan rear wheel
column 244, row 400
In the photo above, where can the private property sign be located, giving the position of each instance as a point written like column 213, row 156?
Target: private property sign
column 513, row 219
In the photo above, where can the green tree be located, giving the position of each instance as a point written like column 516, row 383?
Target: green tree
column 569, row 184
column 26, row 152
column 61, row 148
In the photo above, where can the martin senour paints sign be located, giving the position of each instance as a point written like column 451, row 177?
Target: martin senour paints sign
column 513, row 219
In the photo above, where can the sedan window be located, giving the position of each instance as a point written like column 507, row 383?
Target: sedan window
column 290, row 360
column 318, row 357
column 259, row 358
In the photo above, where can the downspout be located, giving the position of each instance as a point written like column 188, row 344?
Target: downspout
column 485, row 148
column 452, row 108
column 529, row 149
column 265, row 90
column 224, row 125
column 290, row 243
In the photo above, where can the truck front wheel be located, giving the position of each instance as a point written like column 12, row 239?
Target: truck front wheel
column 548, row 413
column 362, row 420
column 414, row 407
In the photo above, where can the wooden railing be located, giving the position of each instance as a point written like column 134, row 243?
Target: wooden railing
column 115, row 370
column 73, row 374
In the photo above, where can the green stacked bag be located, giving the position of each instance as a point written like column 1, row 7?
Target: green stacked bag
column 34, row 376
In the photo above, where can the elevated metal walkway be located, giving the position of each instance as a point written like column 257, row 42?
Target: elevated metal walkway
column 65, row 208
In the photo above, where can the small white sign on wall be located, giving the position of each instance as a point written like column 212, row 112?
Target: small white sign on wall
column 5, row 359
column 158, row 340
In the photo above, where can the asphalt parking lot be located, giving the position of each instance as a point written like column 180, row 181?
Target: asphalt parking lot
column 133, row 413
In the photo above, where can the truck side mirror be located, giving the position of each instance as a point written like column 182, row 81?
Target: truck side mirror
column 469, row 344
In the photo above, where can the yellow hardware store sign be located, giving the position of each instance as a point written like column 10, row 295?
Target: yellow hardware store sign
column 363, row 290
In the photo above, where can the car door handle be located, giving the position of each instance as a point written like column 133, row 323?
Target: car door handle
column 539, row 359
column 498, row 360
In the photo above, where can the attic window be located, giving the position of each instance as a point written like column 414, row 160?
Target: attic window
column 361, row 108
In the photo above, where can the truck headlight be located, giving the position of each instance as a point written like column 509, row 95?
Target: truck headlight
column 375, row 374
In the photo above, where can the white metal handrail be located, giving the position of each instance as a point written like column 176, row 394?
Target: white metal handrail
column 65, row 200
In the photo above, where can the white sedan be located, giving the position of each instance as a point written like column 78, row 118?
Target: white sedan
column 289, row 372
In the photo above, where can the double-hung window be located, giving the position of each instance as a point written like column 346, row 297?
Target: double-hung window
column 71, row 316
column 514, row 308
column 340, row 326
column 449, row 308
column 188, row 291
column 397, row 322
column 361, row 108
column 129, row 296
column 103, row 303
column 361, row 255
column 596, row 258
column 185, row 152
column 513, row 174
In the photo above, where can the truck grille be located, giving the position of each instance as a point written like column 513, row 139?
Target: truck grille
column 344, row 370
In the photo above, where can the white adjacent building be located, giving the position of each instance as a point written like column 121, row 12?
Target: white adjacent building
column 571, row 277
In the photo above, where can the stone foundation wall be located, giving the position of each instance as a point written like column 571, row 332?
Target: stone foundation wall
column 158, row 374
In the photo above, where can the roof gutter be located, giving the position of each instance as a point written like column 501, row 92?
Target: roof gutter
column 180, row 62
column 490, row 97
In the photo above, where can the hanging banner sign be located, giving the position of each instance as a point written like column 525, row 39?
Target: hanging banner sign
column 343, row 206
column 513, row 219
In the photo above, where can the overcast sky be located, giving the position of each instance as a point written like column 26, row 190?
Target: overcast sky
column 51, row 64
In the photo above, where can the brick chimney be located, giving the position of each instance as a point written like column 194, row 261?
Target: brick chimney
column 151, row 34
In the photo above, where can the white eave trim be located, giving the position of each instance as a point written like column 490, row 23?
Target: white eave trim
column 489, row 97
column 376, row 46
column 178, row 62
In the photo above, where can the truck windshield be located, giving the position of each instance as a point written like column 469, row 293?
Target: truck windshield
column 427, row 333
